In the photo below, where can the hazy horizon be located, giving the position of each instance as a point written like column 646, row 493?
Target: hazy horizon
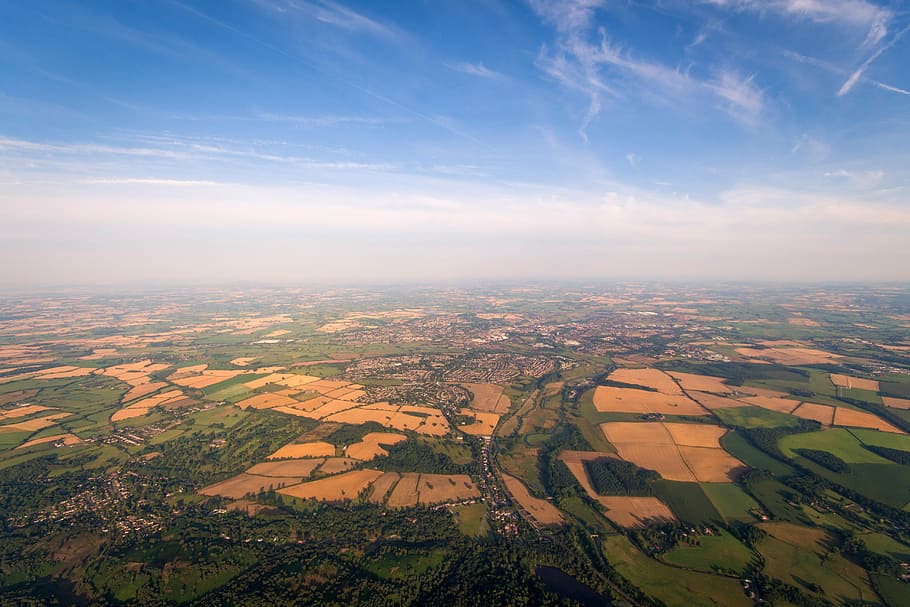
column 316, row 142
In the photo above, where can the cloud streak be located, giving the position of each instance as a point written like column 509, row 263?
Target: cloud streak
column 476, row 69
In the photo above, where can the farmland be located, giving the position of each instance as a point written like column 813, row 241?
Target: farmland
column 372, row 440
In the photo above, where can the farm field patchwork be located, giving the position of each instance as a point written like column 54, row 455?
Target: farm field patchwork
column 688, row 452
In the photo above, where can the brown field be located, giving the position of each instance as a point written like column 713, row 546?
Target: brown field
column 244, row 484
column 861, row 419
column 382, row 486
column 543, row 511
column 635, row 511
column 273, row 378
column 405, row 492
column 651, row 378
column 896, row 403
column 635, row 432
column 143, row 389
column 792, row 357
column 292, row 467
column 277, row 333
column 382, row 406
column 334, row 465
column 432, row 425
column 712, row 465
column 664, row 459
column 845, row 381
column 712, row 401
column 781, row 405
column 820, row 413
column 33, row 425
column 64, row 372
column 312, row 404
column 441, row 488
column 129, row 413
column 295, row 381
column 701, row 383
column 157, row 399
column 577, row 468
column 574, row 461
column 332, row 407
column 484, row 423
column 663, row 448
column 371, row 445
column 338, row 393
column 23, row 411
column 354, row 394
column 66, row 439
column 335, row 488
column 17, row 397
column 696, row 435
column 205, row 378
column 327, row 385
column 315, row 449
column 293, row 411
column 798, row 321
column 244, row 361
column 609, row 399
column 266, row 401
column 488, row 397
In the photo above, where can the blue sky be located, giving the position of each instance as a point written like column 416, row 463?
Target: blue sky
column 310, row 140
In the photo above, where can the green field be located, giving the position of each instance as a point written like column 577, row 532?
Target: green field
column 754, row 417
column 771, row 494
column 869, row 474
column 882, row 439
column 9, row 440
column 887, row 545
column 400, row 564
column 895, row 592
column 673, row 586
column 472, row 519
column 731, row 501
column 838, row 441
column 721, row 552
column 739, row 447
column 803, row 567
column 687, row 501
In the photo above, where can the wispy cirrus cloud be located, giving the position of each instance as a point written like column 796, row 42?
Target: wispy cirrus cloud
column 859, row 179
column 324, row 121
column 476, row 69
column 833, row 69
column 149, row 181
column 741, row 98
column 859, row 72
column 331, row 13
column 585, row 59
column 872, row 18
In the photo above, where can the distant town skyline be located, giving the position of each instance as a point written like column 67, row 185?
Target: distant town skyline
column 295, row 141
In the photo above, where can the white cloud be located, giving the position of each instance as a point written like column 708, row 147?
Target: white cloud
column 860, row 71
column 323, row 121
column 634, row 159
column 859, row 179
column 743, row 99
column 148, row 181
column 476, row 69
column 605, row 70
column 330, row 13
column 859, row 13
